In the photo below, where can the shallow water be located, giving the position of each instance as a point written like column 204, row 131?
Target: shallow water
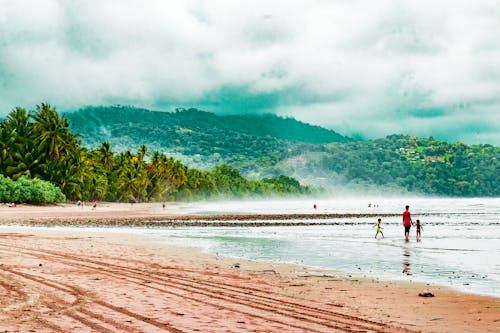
column 460, row 245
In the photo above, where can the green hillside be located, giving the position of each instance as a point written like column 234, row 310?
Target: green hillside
column 201, row 139
column 418, row 165
column 165, row 128
column 267, row 146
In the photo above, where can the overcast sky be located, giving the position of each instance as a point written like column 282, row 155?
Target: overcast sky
column 359, row 67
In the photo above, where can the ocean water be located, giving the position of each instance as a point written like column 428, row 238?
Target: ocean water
column 460, row 246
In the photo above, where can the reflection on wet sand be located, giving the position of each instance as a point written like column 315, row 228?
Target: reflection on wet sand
column 406, row 262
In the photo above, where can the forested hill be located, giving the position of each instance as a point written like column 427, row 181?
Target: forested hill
column 259, row 146
column 416, row 165
column 104, row 123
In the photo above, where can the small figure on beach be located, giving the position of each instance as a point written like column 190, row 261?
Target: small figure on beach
column 78, row 203
column 419, row 227
column 163, row 204
column 314, row 206
column 379, row 228
column 94, row 204
column 407, row 222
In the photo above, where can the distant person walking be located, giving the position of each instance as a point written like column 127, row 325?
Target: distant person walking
column 407, row 222
column 419, row 227
column 379, row 228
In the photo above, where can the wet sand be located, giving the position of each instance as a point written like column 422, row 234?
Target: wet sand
column 77, row 281
column 146, row 214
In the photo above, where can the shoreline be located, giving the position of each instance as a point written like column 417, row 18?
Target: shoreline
column 53, row 279
column 346, row 273
column 152, row 215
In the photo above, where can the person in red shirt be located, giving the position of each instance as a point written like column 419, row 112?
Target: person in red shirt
column 407, row 222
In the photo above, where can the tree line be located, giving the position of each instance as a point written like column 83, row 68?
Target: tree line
column 40, row 145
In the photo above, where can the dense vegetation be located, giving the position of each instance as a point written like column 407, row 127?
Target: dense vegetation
column 419, row 165
column 29, row 190
column 249, row 143
column 40, row 145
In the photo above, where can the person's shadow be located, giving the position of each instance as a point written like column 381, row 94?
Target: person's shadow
column 406, row 262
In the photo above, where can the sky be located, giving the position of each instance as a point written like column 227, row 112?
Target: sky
column 363, row 68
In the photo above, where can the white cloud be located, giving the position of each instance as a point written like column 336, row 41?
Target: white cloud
column 356, row 66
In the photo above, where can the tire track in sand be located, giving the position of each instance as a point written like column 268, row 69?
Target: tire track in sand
column 121, row 276
column 229, row 293
column 265, row 300
column 75, row 309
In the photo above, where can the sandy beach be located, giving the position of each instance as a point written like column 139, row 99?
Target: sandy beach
column 107, row 281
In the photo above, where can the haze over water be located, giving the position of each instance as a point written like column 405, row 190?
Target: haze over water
column 460, row 245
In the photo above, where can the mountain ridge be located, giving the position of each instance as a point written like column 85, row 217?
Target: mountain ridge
column 255, row 125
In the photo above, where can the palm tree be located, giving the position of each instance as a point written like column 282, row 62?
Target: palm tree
column 58, row 147
column 141, row 153
column 18, row 119
column 166, row 175
column 198, row 185
column 16, row 139
column 52, row 133
column 7, row 139
column 106, row 155
column 131, row 178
